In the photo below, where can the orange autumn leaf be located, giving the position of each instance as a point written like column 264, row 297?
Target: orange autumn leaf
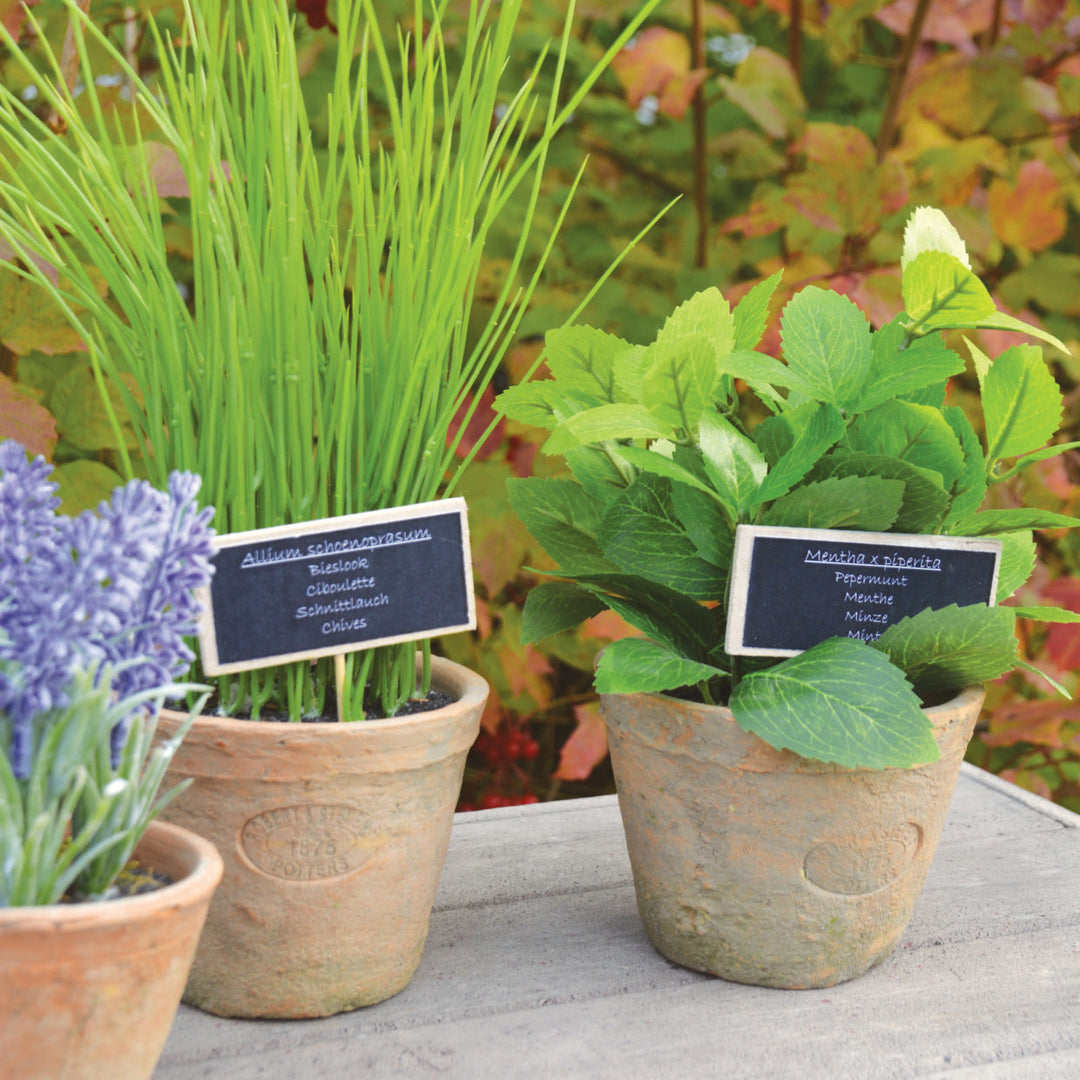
column 1045, row 722
column 658, row 64
column 1063, row 639
column 586, row 747
column 1030, row 214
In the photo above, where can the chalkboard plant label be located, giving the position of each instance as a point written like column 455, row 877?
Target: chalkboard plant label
column 337, row 585
column 792, row 588
column 826, row 656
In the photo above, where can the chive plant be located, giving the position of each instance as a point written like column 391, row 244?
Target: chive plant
column 317, row 369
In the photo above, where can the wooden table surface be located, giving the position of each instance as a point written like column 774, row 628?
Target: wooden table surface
column 537, row 966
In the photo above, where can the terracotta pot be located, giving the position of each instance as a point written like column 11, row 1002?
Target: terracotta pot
column 90, row 990
column 760, row 866
column 333, row 837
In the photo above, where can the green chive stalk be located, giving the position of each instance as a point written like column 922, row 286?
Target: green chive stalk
column 326, row 349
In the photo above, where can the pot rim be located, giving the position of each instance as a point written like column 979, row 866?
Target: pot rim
column 469, row 688
column 202, row 878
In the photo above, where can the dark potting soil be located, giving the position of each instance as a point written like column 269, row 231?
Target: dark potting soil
column 134, row 880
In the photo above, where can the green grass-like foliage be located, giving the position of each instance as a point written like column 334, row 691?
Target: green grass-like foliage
column 859, row 436
column 328, row 345
column 71, row 826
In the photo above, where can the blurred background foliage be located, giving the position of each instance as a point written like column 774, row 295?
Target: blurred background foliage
column 794, row 134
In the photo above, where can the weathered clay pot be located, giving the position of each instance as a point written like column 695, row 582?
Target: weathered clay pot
column 90, row 990
column 760, row 866
column 333, row 837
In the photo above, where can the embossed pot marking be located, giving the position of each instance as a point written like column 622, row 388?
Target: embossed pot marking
column 857, row 865
column 306, row 843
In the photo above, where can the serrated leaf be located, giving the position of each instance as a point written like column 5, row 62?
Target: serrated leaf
column 605, row 422
column 563, row 518
column 583, row 360
column 706, row 523
column 969, row 487
column 942, row 651
column 678, row 383
column 596, row 473
column 751, row 314
column 827, row 345
column 658, row 612
column 633, row 665
column 897, row 369
column 1016, row 564
column 917, row 434
column 925, row 500
column 999, row 320
column 940, row 293
column 81, row 416
column 83, row 484
column 1046, row 614
column 1021, row 403
column 733, row 463
column 793, row 443
column 761, row 372
column 868, row 503
column 706, row 313
column 928, row 229
column 658, row 465
column 641, row 533
column 1040, row 455
column 841, row 702
column 988, row 522
column 533, row 403
column 554, row 606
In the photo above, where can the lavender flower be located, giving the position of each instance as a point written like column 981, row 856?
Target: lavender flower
column 113, row 586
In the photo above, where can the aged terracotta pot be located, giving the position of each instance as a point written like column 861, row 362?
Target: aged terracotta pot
column 333, row 837
column 90, row 990
column 760, row 866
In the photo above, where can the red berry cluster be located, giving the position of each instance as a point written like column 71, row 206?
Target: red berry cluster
column 502, row 751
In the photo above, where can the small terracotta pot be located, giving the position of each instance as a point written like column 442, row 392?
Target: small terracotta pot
column 90, row 990
column 333, row 837
column 760, row 866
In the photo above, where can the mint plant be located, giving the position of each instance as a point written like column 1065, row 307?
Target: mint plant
column 665, row 464
column 93, row 614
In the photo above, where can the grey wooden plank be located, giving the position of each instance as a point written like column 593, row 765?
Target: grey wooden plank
column 537, row 965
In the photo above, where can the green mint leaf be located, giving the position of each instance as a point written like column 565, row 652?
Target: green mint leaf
column 793, row 443
column 535, row 403
column 751, row 314
column 762, row 373
column 642, row 534
column 841, row 702
column 827, row 345
column 554, row 606
column 869, row 503
column 583, row 361
column 733, row 463
column 899, row 368
column 679, row 380
column 988, row 522
column 658, row 464
column 928, row 229
column 1021, row 403
column 658, row 612
column 941, row 293
column 707, row 314
column 917, row 434
column 1016, row 564
column 633, row 665
column 969, row 488
column 999, row 320
column 710, row 530
column 605, row 422
column 1046, row 614
column 1039, row 455
column 943, row 651
column 563, row 517
column 594, row 470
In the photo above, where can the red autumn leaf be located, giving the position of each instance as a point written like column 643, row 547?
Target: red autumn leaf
column 1063, row 639
column 954, row 22
column 1041, row 722
column 24, row 420
column 586, row 747
column 1030, row 214
column 12, row 13
column 166, row 172
column 474, row 430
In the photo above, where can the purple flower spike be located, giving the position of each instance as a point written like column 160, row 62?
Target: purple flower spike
column 113, row 586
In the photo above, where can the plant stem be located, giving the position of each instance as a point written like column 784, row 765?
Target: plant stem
column 701, row 149
column 890, row 118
